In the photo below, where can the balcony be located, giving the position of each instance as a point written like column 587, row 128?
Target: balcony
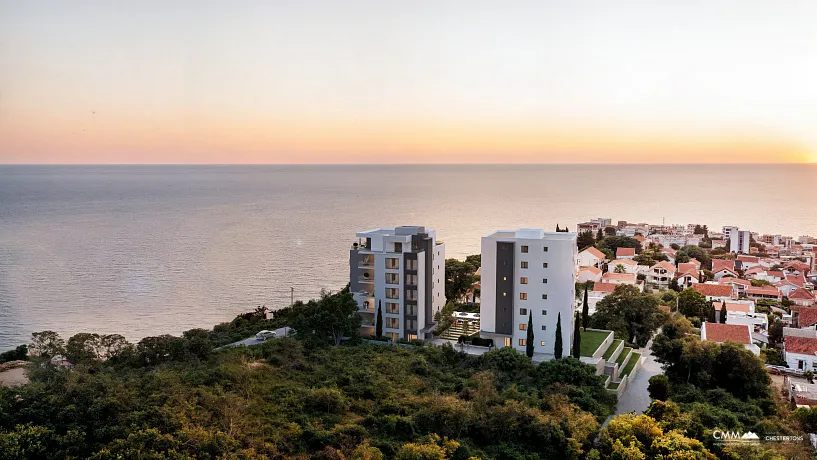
column 365, row 279
column 367, row 306
column 366, row 262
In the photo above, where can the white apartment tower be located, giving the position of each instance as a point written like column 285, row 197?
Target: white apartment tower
column 402, row 269
column 528, row 272
column 738, row 239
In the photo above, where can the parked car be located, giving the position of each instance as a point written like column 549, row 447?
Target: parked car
column 264, row 335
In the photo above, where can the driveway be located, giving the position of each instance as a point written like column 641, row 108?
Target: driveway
column 250, row 341
column 636, row 398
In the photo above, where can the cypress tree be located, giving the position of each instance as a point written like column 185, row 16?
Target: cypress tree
column 557, row 345
column 577, row 337
column 599, row 235
column 585, row 310
column 723, row 313
column 557, row 228
column 710, row 315
column 378, row 327
column 529, row 340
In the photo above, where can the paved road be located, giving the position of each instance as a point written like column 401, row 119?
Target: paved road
column 636, row 398
column 248, row 342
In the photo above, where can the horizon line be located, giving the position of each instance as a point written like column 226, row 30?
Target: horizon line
column 423, row 164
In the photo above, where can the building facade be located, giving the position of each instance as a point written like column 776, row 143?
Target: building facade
column 528, row 272
column 402, row 271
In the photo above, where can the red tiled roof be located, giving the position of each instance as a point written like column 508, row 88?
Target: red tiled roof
column 640, row 238
column 595, row 252
column 716, row 332
column 733, row 280
column 715, row 290
column 592, row 270
column 687, row 266
column 604, row 287
column 746, row 258
column 802, row 345
column 797, row 280
column 619, row 276
column 664, row 308
column 720, row 264
column 665, row 265
column 668, row 251
column 801, row 294
column 754, row 270
column 622, row 262
column 775, row 273
column 624, row 252
column 732, row 306
column 763, row 290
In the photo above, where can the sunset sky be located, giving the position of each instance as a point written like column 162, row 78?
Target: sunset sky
column 407, row 82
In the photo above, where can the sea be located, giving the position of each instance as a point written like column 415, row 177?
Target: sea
column 150, row 250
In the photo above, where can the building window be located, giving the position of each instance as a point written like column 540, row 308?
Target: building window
column 504, row 294
column 392, row 335
column 392, row 263
column 542, row 343
column 411, row 324
column 544, row 296
column 411, row 294
column 523, row 327
column 524, row 265
column 391, row 278
column 545, row 280
column 544, row 265
column 507, row 341
column 523, row 311
column 523, row 280
column 544, row 328
column 393, row 323
column 398, row 247
column 392, row 307
column 411, row 264
column 523, row 342
column 523, row 296
column 392, row 293
column 545, row 249
column 544, row 312
column 411, row 309
column 524, row 249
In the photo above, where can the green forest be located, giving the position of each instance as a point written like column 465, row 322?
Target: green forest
column 307, row 396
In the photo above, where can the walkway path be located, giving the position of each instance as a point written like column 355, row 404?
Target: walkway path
column 636, row 398
column 280, row 332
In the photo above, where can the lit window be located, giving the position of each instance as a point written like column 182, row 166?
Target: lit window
column 523, row 280
column 504, row 294
column 523, row 342
column 524, row 249
column 523, row 296
column 524, row 265
column 523, row 327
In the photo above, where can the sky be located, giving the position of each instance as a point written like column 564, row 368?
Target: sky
column 408, row 82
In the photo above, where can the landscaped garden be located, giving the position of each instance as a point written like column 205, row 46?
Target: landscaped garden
column 591, row 340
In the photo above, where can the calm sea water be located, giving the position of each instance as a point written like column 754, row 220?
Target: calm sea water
column 148, row 250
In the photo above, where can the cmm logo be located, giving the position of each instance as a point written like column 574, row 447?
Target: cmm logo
column 721, row 435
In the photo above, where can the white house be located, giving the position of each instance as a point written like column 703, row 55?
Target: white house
column 661, row 274
column 800, row 352
column 627, row 265
column 722, row 268
column 591, row 257
column 619, row 278
column 625, row 253
column 528, row 273
column 720, row 333
column 588, row 274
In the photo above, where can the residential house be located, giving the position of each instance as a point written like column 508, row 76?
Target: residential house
column 627, row 265
column 800, row 352
column 670, row 253
column 715, row 292
column 763, row 292
column 738, row 285
column 661, row 274
column 687, row 275
column 591, row 257
column 722, row 268
column 747, row 262
column 802, row 297
column 625, row 253
column 588, row 274
column 619, row 278
column 721, row 333
column 600, row 291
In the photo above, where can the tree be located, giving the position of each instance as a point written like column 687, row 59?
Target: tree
column 599, row 236
column 619, row 269
column 378, row 327
column 659, row 387
column 673, row 284
column 710, row 312
column 329, row 319
column 46, row 344
column 585, row 310
column 557, row 345
column 674, row 246
column 585, row 240
column 614, row 242
column 723, row 313
column 692, row 303
column 460, row 277
column 529, row 339
column 557, row 228
column 115, row 347
column 577, row 337
column 84, row 348
column 18, row 354
column 775, row 333
column 610, row 231
column 633, row 315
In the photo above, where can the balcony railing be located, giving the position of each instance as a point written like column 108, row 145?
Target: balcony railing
column 365, row 263
column 363, row 279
